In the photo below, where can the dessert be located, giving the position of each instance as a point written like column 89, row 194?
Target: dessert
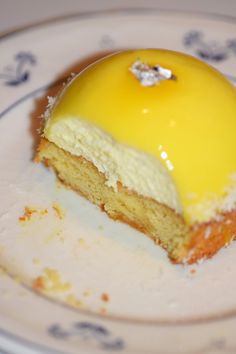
column 149, row 136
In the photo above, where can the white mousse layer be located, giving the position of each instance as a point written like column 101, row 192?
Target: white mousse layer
column 136, row 170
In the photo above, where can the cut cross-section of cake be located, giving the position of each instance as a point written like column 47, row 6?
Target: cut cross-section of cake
column 149, row 136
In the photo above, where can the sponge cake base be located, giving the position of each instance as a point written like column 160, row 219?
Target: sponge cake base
column 156, row 220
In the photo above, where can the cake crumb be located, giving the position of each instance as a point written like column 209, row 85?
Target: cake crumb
column 105, row 297
column 58, row 211
column 73, row 301
column 51, row 282
column 39, row 284
column 193, row 271
column 29, row 212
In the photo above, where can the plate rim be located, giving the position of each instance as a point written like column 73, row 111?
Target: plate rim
column 97, row 14
column 212, row 16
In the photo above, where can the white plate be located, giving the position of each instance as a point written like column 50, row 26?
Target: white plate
column 153, row 306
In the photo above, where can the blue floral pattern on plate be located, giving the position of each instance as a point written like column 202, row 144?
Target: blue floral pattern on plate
column 87, row 332
column 18, row 72
column 210, row 50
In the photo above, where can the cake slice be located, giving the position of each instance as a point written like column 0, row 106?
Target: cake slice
column 104, row 185
column 148, row 136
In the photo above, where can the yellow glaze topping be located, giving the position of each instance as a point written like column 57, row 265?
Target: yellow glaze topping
column 188, row 123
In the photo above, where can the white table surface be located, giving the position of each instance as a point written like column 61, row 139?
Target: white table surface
column 18, row 13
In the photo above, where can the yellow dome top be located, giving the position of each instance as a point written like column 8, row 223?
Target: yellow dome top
column 189, row 123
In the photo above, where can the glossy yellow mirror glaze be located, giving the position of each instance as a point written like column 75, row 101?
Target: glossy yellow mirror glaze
column 188, row 123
